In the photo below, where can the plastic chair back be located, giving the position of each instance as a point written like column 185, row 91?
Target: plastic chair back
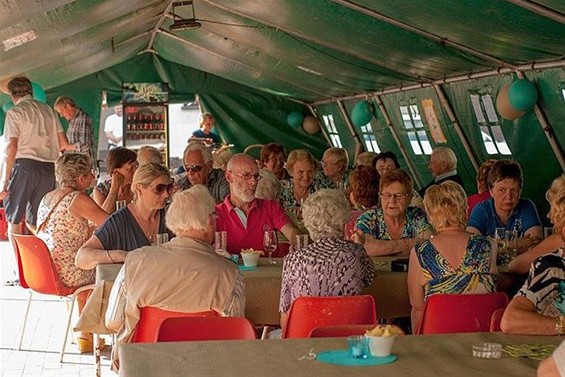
column 150, row 319
column 36, row 268
column 339, row 331
column 496, row 319
column 205, row 328
column 307, row 313
column 460, row 313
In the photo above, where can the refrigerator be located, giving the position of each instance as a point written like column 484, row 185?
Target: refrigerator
column 146, row 116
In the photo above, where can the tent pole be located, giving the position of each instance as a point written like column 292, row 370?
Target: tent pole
column 539, row 9
column 345, row 116
column 388, row 121
column 548, row 131
column 447, row 106
column 322, row 125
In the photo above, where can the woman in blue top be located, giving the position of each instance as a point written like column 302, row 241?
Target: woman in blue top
column 133, row 226
column 395, row 226
column 506, row 209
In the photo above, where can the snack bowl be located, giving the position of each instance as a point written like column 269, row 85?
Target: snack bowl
column 250, row 259
column 380, row 346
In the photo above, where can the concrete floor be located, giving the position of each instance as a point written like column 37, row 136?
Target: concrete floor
column 44, row 333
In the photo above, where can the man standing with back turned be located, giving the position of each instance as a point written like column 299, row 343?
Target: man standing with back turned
column 34, row 137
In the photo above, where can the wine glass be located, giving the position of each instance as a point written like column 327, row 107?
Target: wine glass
column 270, row 244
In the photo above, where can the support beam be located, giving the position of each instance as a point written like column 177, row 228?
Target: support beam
column 536, row 8
column 447, row 106
column 351, row 127
column 413, row 171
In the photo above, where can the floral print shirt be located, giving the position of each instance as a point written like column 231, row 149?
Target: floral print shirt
column 372, row 223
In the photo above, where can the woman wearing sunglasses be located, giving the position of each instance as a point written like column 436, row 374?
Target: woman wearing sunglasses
column 134, row 226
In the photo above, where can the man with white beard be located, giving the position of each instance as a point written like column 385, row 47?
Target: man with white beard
column 244, row 217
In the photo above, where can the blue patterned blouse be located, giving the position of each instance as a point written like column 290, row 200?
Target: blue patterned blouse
column 472, row 276
column 372, row 223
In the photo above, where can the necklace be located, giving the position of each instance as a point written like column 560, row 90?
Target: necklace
column 146, row 225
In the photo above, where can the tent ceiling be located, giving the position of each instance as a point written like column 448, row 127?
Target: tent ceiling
column 308, row 50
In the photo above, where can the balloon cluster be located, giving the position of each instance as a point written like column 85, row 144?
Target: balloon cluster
column 309, row 124
column 516, row 98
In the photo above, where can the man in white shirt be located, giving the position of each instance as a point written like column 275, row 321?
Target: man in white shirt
column 114, row 128
column 34, row 137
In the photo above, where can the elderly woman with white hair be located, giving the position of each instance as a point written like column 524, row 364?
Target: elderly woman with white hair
column 331, row 265
column 334, row 172
column 183, row 275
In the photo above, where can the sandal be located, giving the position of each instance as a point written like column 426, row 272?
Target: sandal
column 87, row 345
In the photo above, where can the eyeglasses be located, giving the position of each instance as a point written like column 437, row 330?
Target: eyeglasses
column 194, row 168
column 161, row 188
column 249, row 176
column 324, row 163
column 397, row 196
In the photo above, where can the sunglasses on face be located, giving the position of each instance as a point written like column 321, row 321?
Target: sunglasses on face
column 194, row 168
column 161, row 188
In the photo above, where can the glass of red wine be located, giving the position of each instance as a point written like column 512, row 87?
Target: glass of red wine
column 270, row 244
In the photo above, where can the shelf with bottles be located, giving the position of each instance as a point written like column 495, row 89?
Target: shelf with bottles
column 145, row 121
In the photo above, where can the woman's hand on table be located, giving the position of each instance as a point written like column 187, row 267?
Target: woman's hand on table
column 358, row 236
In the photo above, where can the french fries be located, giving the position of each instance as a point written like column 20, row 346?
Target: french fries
column 384, row 331
column 251, row 251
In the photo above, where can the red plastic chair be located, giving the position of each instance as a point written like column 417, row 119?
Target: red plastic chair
column 339, row 331
column 150, row 319
column 38, row 273
column 461, row 313
column 307, row 313
column 205, row 328
column 495, row 320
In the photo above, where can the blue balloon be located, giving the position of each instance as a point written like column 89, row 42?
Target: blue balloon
column 522, row 95
column 295, row 119
column 7, row 106
column 362, row 113
column 38, row 92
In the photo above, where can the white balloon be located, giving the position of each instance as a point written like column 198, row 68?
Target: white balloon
column 311, row 125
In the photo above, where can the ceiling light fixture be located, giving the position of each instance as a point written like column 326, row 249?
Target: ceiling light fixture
column 180, row 23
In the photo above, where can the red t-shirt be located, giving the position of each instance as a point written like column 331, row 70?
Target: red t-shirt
column 264, row 215
column 475, row 199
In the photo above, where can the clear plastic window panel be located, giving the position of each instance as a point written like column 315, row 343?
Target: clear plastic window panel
column 416, row 118
column 329, row 122
column 426, row 146
column 371, row 143
column 489, row 108
column 336, row 141
column 406, row 119
column 563, row 92
column 488, row 140
column 500, row 140
column 476, row 102
column 414, row 143
column 367, row 129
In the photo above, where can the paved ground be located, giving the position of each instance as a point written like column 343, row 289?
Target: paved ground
column 43, row 336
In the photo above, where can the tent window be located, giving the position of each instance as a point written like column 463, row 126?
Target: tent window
column 415, row 130
column 332, row 130
column 491, row 132
column 563, row 92
column 370, row 139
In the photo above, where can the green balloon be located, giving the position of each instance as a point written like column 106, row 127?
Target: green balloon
column 7, row 106
column 295, row 119
column 362, row 113
column 522, row 95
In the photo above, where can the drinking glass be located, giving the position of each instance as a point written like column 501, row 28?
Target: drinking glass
column 548, row 231
column 512, row 239
column 221, row 240
column 162, row 238
column 120, row 204
column 301, row 241
column 270, row 244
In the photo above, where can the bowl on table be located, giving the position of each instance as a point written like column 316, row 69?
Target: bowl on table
column 250, row 257
column 381, row 339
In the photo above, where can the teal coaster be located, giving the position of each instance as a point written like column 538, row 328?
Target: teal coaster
column 343, row 357
column 246, row 268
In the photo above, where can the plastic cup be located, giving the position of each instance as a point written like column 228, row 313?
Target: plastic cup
column 221, row 240
column 357, row 345
column 120, row 204
column 250, row 259
column 302, row 241
column 162, row 238
column 380, row 346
